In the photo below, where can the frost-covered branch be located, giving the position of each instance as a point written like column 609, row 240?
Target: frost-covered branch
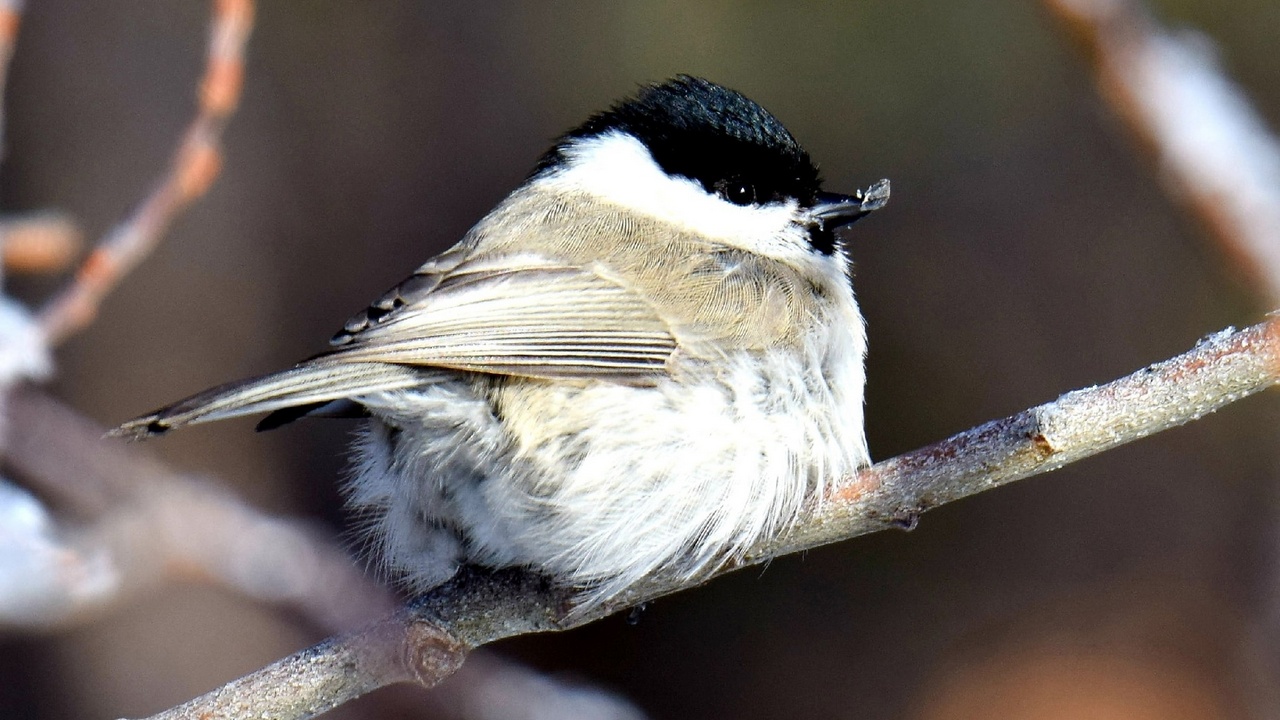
column 428, row 641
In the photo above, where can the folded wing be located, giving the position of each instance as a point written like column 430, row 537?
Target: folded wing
column 518, row 316
column 536, row 321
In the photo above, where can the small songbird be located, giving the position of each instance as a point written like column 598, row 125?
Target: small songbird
column 646, row 358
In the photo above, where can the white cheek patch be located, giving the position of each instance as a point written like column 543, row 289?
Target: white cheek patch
column 619, row 169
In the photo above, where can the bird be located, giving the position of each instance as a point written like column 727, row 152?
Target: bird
column 646, row 359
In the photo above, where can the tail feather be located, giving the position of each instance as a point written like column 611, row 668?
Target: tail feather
column 307, row 384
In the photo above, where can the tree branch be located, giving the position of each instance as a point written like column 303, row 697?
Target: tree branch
column 429, row 640
column 195, row 165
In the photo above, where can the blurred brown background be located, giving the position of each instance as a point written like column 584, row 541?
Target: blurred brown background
column 1028, row 250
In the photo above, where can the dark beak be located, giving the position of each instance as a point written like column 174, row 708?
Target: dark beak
column 833, row 211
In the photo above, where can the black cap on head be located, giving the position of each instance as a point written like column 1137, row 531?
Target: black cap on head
column 712, row 135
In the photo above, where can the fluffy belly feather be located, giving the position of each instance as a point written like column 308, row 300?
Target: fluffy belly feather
column 599, row 484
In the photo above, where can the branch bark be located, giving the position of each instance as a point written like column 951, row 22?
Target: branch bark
column 428, row 641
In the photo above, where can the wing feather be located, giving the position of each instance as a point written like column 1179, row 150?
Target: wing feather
column 309, row 383
column 513, row 315
column 537, row 321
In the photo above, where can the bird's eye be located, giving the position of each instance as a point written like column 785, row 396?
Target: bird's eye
column 738, row 192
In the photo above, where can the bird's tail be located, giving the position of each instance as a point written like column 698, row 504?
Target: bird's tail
column 313, row 383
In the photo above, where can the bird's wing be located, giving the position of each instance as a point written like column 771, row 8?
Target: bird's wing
column 516, row 315
column 309, row 385
column 505, row 315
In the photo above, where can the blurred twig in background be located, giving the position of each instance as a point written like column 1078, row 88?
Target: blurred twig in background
column 1214, row 152
column 195, row 165
column 10, row 19
column 40, row 242
column 147, row 525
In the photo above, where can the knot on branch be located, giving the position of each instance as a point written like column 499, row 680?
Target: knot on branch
column 430, row 653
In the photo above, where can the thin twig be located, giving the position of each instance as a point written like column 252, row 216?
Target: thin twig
column 1213, row 149
column 194, row 167
column 10, row 20
column 428, row 641
column 40, row 242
